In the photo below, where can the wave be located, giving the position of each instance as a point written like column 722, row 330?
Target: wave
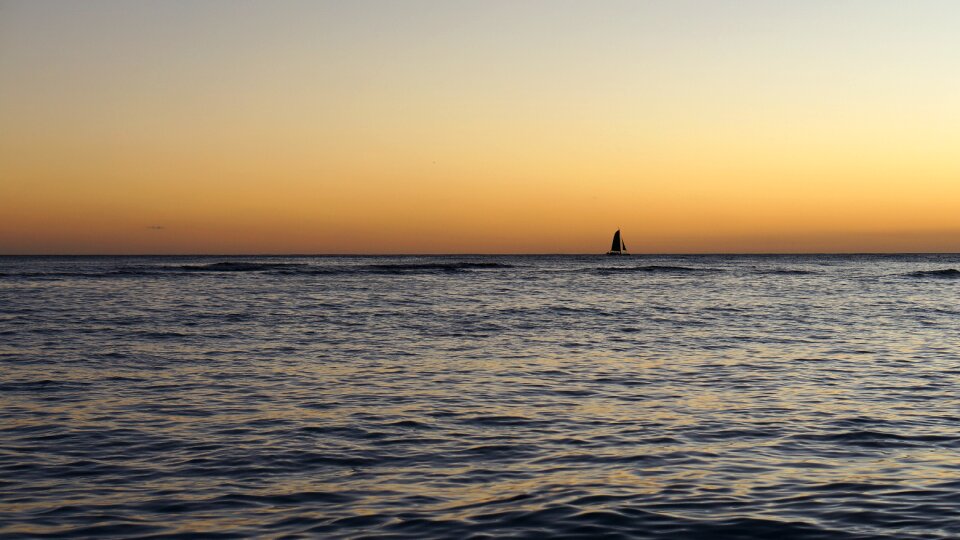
column 948, row 273
column 41, row 385
column 272, row 268
column 878, row 439
column 238, row 267
column 63, row 275
column 432, row 267
column 784, row 271
column 654, row 268
column 137, row 271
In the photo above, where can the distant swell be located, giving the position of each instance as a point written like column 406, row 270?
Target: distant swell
column 240, row 267
column 308, row 269
column 652, row 269
column 64, row 275
column 785, row 271
column 265, row 268
column 433, row 267
column 948, row 273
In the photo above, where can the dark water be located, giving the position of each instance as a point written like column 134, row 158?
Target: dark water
column 484, row 397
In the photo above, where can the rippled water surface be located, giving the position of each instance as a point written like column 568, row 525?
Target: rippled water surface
column 457, row 397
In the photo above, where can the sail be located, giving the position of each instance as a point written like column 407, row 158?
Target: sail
column 616, row 241
column 623, row 244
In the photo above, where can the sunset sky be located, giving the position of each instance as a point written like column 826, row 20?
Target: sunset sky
column 479, row 127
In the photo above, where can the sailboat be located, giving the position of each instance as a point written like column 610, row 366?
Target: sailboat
column 618, row 247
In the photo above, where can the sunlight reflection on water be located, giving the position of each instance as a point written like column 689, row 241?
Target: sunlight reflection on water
column 812, row 397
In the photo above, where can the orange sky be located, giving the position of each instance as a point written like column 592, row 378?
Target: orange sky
column 479, row 127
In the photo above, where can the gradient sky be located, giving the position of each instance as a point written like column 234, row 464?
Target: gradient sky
column 488, row 126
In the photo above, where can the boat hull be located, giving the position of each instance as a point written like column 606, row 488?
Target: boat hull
column 618, row 253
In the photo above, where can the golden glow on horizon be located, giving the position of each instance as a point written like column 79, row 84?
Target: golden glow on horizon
column 470, row 127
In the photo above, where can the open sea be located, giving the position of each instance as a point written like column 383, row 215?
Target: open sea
column 480, row 397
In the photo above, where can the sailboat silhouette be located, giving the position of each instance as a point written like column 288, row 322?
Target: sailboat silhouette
column 618, row 247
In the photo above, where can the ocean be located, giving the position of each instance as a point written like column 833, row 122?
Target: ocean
column 480, row 397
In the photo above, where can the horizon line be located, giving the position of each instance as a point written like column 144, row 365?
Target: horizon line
column 641, row 254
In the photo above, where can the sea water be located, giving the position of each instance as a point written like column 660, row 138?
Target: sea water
column 481, row 396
